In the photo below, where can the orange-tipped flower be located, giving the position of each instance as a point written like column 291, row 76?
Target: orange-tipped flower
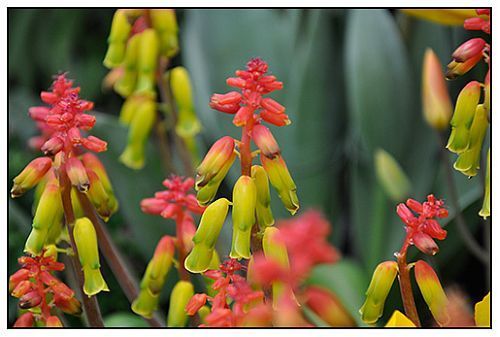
column 53, row 322
column 265, row 141
column 244, row 202
column 435, row 97
column 77, row 174
column 328, row 307
column 432, row 291
column 26, row 320
column 30, row 176
column 380, row 285
column 282, row 181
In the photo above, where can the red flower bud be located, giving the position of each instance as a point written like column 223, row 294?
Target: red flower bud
column 38, row 113
column 85, row 122
column 275, row 119
column 26, row 320
column 153, row 206
column 243, row 115
column 425, row 243
column 74, row 136
column 469, row 49
column 236, row 82
column 22, row 288
column 272, row 106
column 433, row 229
column 30, row 300
column 94, row 144
column 17, row 277
column 52, row 146
column 53, row 322
column 195, row 303
column 265, row 141
column 405, row 214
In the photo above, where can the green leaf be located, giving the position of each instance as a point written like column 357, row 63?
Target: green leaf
column 124, row 320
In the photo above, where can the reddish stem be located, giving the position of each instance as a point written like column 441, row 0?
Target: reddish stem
column 405, row 284
column 183, row 274
column 90, row 304
column 245, row 151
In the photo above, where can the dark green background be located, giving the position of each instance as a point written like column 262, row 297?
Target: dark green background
column 352, row 85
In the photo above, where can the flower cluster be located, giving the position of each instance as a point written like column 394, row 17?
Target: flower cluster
column 179, row 204
column 39, row 292
column 421, row 229
column 231, row 288
column 141, row 43
column 251, row 196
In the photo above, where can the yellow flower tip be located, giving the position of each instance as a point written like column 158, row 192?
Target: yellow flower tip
column 378, row 290
column 146, row 303
column 198, row 261
column 432, row 292
column 450, row 17
column 485, row 210
column 391, row 176
column 482, row 315
column 179, row 298
column 436, row 100
column 94, row 282
column 398, row 320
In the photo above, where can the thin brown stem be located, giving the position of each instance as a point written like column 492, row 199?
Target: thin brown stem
column 467, row 237
column 90, row 304
column 165, row 155
column 406, row 289
column 113, row 257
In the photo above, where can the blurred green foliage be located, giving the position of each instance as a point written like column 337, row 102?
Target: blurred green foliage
column 352, row 85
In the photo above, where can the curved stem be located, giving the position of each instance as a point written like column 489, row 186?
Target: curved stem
column 467, row 237
column 113, row 257
column 90, row 304
column 405, row 286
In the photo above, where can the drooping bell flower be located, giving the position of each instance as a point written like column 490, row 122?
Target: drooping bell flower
column 206, row 236
column 263, row 210
column 243, row 215
column 380, row 285
column 165, row 24
column 120, row 30
column 88, row 253
column 30, row 176
column 431, row 290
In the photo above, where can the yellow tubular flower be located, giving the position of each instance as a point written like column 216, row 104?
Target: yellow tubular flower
column 165, row 23
column 485, row 210
column 449, row 17
column 206, row 236
column 482, row 314
column 120, row 30
column 263, row 207
column 88, row 252
column 398, row 319
column 49, row 213
column 140, row 127
column 179, row 298
column 30, row 176
column 380, row 285
column 391, row 176
column 432, row 291
column 147, row 61
column 127, row 82
column 244, row 201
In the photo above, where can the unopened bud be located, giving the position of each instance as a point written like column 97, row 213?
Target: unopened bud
column 21, row 288
column 147, row 61
column 88, row 252
column 26, row 320
column 280, row 119
column 436, row 100
column 154, row 278
column 282, row 181
column 98, row 196
column 196, row 303
column 485, row 210
column 77, row 174
column 69, row 306
column 165, row 23
column 456, row 68
column 328, row 307
column 120, row 30
column 30, row 300
column 425, row 243
column 179, row 298
column 265, row 141
column 126, row 84
column 263, row 207
column 244, row 202
column 206, row 236
column 469, row 49
column 140, row 127
column 53, row 322
column 431, row 290
column 391, row 176
column 17, row 277
column 49, row 213
column 94, row 144
column 468, row 162
column 242, row 116
column 380, row 285
column 463, row 116
column 398, row 320
column 30, row 176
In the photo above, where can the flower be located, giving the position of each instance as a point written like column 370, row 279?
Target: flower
column 34, row 285
column 253, row 83
column 181, row 294
column 423, row 228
